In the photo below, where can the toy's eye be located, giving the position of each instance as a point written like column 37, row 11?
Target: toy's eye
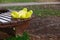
column 3, row 10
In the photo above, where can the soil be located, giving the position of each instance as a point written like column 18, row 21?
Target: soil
column 45, row 27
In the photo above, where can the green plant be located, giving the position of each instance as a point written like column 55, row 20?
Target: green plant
column 25, row 36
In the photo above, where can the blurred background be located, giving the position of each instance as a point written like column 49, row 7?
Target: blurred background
column 7, row 1
column 38, row 9
column 40, row 25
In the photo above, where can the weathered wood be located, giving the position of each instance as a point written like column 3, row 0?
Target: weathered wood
column 27, row 4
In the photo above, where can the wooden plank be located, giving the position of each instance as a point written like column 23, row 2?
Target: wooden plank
column 27, row 4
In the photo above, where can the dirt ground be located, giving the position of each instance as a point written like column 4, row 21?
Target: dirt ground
column 48, row 28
